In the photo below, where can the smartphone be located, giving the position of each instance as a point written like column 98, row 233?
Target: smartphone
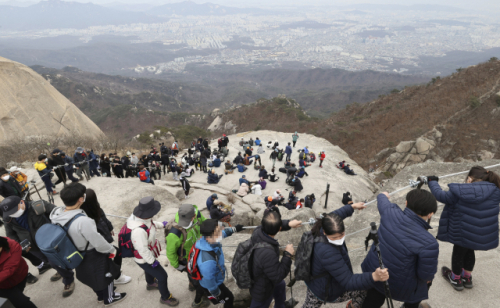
column 25, row 244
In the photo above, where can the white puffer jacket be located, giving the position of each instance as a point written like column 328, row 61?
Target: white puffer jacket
column 140, row 239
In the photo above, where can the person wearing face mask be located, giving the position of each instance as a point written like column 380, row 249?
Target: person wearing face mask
column 409, row 251
column 97, row 270
column 147, row 249
column 82, row 163
column 330, row 263
column 21, row 224
column 57, row 164
column 105, row 165
column 211, row 261
column 9, row 186
column 44, row 173
column 21, row 178
column 68, row 167
column 188, row 218
column 469, row 221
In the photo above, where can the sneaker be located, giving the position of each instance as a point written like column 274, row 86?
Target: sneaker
column 191, row 287
column 171, row 301
column 455, row 283
column 54, row 192
column 44, row 268
column 30, row 279
column 118, row 297
column 123, row 279
column 100, row 299
column 68, row 289
column 467, row 282
column 55, row 277
column 151, row 287
column 203, row 304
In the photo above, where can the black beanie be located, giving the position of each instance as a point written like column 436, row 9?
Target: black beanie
column 208, row 227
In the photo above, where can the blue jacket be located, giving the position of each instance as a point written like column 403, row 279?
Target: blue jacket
column 288, row 150
column 68, row 160
column 93, row 163
column 306, row 150
column 241, row 168
column 213, row 272
column 80, row 159
column 210, row 202
column 242, row 180
column 302, row 163
column 257, row 142
column 334, row 260
column 301, row 173
column 470, row 214
column 212, row 178
column 216, row 162
column 262, row 174
column 408, row 250
column 148, row 175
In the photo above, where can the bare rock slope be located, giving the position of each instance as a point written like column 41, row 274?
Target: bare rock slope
column 30, row 106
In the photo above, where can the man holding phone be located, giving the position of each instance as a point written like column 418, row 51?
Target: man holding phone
column 22, row 221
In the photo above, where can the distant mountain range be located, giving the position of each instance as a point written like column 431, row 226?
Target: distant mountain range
column 192, row 8
column 56, row 14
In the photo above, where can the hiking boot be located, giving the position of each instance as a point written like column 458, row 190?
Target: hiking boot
column 44, row 268
column 455, row 283
column 118, row 297
column 467, row 282
column 30, row 279
column 151, row 287
column 171, row 301
column 55, row 277
column 123, row 279
column 203, row 304
column 54, row 192
column 191, row 287
column 68, row 289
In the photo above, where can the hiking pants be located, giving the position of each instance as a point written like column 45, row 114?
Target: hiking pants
column 161, row 276
column 67, row 275
column 288, row 156
column 107, row 171
column 274, row 161
column 93, row 172
column 462, row 258
column 70, row 176
column 32, row 258
column 200, row 291
column 16, row 295
column 226, row 293
column 151, row 181
column 48, row 183
column 294, row 143
column 165, row 168
column 375, row 299
column 357, row 298
column 84, row 167
column 320, row 162
column 61, row 175
column 279, row 297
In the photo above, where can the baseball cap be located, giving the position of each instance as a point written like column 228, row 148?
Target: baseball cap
column 214, row 196
column 186, row 214
column 9, row 206
column 243, row 176
column 208, row 227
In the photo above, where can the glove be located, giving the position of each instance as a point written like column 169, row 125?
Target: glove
column 165, row 224
column 238, row 228
column 181, row 268
column 220, row 299
column 432, row 178
column 66, row 164
column 155, row 264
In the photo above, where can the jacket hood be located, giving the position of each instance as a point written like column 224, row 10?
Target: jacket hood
column 79, row 149
column 259, row 236
column 202, row 244
column 473, row 192
column 59, row 216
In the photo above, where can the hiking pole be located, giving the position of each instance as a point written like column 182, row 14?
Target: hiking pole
column 311, row 221
column 290, row 303
column 327, row 191
column 34, row 185
column 373, row 235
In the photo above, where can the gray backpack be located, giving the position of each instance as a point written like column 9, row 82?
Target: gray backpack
column 241, row 267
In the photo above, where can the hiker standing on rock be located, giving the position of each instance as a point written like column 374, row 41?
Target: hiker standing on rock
column 288, row 151
column 146, row 248
column 180, row 239
column 409, row 251
column 210, row 261
column 81, row 163
column 295, row 137
column 330, row 263
column 268, row 272
column 321, row 158
column 44, row 173
column 57, row 164
column 469, row 221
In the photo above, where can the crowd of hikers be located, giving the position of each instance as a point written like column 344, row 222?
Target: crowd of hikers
column 86, row 247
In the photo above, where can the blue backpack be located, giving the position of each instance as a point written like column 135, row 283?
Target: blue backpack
column 55, row 243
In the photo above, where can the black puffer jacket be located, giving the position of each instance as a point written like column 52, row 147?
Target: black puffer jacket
column 104, row 227
column 10, row 188
column 267, row 270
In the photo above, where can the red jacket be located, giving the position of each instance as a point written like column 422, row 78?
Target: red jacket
column 322, row 156
column 13, row 268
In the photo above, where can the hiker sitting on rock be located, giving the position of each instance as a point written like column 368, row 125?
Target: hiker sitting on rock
column 263, row 173
column 9, row 186
column 229, row 167
column 241, row 168
column 347, row 198
column 330, row 261
column 144, row 175
column 309, row 201
column 260, row 149
column 302, row 172
column 243, row 190
column 221, row 212
column 213, row 178
column 348, row 170
column 257, row 189
column 238, row 159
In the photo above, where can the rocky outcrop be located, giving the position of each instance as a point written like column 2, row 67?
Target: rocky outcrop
column 31, row 106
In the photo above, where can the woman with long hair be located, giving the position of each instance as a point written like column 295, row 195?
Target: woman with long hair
column 105, row 165
column 469, row 221
column 93, row 209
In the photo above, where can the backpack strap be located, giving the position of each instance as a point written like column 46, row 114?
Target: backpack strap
column 66, row 229
column 180, row 231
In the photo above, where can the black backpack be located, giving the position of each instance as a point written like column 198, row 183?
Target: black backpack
column 241, row 267
column 303, row 259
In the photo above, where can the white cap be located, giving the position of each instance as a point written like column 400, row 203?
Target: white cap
column 14, row 168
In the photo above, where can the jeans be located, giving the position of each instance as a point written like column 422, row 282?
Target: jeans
column 16, row 295
column 279, row 296
column 161, row 276
column 67, row 275
column 462, row 258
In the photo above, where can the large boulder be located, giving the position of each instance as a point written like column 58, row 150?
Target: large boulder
column 424, row 145
column 405, row 146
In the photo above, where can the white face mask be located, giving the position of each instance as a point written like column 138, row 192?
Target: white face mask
column 190, row 225
column 337, row 242
column 6, row 177
column 219, row 239
column 46, row 159
column 17, row 214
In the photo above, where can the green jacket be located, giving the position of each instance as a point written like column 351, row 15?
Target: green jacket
column 174, row 242
column 295, row 137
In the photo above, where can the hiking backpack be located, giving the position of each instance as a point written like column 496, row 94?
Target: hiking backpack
column 312, row 157
column 173, row 227
column 125, row 241
column 280, row 155
column 241, row 266
column 55, row 243
column 303, row 257
column 192, row 264
column 142, row 176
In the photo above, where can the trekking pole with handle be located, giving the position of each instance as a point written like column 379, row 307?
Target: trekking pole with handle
column 36, row 188
column 373, row 235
